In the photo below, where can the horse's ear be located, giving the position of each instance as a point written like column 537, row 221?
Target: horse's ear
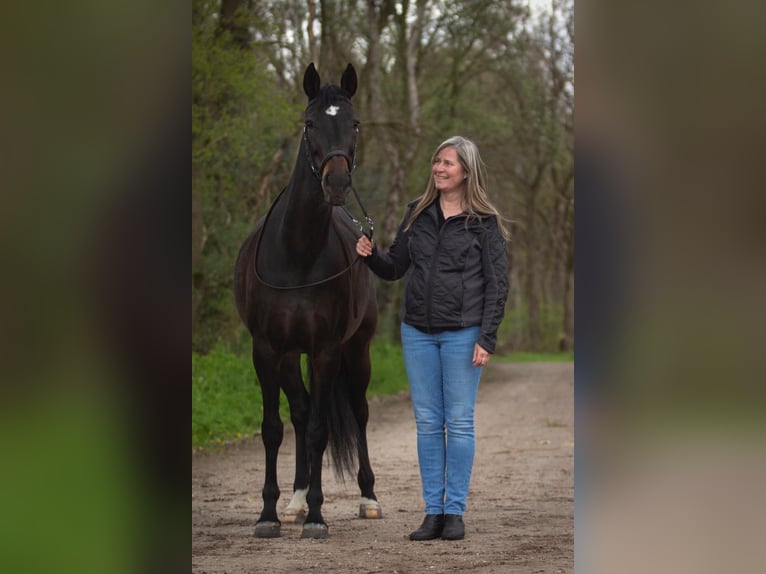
column 311, row 82
column 348, row 80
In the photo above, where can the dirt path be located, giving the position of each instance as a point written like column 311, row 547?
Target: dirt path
column 520, row 508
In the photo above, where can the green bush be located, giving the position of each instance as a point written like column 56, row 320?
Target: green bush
column 528, row 357
column 513, row 333
column 388, row 376
column 226, row 398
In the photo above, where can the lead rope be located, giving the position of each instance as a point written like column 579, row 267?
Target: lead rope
column 367, row 218
column 358, row 223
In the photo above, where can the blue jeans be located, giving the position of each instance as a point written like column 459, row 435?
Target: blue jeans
column 443, row 387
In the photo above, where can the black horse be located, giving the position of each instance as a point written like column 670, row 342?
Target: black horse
column 301, row 289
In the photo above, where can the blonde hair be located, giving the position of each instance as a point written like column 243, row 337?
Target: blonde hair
column 476, row 200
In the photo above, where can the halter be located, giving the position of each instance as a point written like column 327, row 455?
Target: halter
column 318, row 173
column 351, row 161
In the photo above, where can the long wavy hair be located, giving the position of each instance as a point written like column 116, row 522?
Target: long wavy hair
column 476, row 201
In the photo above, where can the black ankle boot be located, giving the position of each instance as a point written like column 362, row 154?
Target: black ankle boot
column 430, row 529
column 454, row 529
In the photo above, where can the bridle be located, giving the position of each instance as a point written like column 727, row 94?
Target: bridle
column 351, row 160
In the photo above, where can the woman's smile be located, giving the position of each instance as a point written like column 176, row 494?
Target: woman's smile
column 447, row 171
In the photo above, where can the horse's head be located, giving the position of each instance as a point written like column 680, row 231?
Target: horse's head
column 330, row 133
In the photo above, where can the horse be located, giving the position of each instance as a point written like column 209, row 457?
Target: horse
column 301, row 290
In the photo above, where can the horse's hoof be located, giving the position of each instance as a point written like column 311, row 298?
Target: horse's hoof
column 370, row 509
column 293, row 516
column 315, row 530
column 267, row 530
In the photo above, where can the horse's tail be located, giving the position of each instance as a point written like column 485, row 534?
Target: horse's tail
column 342, row 426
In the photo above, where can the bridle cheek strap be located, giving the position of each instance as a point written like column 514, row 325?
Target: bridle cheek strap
column 351, row 160
column 352, row 166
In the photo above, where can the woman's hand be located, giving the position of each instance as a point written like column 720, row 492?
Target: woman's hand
column 364, row 246
column 480, row 356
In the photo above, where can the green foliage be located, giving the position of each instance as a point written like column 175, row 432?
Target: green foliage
column 239, row 118
column 388, row 375
column 511, row 335
column 504, row 79
column 226, row 398
column 527, row 357
column 512, row 332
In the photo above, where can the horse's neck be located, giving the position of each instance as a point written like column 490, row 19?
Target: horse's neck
column 305, row 219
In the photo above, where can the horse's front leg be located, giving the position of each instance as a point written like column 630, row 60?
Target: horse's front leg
column 298, row 398
column 272, row 429
column 324, row 369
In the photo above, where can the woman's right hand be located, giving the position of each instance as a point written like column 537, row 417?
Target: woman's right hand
column 364, row 246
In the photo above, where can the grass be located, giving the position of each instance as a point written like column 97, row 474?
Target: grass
column 554, row 425
column 388, row 376
column 525, row 357
column 226, row 398
column 226, row 401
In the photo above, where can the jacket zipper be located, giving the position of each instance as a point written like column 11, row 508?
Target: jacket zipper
column 429, row 278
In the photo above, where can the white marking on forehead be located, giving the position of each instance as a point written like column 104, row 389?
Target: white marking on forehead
column 332, row 111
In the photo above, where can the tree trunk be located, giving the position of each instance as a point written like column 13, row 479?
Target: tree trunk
column 565, row 226
column 565, row 344
column 313, row 46
column 531, row 294
column 400, row 145
column 532, row 279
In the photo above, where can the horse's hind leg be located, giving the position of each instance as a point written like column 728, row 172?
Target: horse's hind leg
column 356, row 355
column 298, row 398
column 325, row 365
column 272, row 429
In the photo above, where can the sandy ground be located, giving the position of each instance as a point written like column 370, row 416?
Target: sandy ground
column 520, row 508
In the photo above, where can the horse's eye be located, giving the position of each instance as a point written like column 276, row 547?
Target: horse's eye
column 309, row 124
column 356, row 125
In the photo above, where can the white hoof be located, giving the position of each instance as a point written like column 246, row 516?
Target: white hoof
column 293, row 516
column 370, row 509
column 296, row 511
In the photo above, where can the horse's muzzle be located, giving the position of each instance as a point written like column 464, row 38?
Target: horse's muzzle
column 336, row 180
column 337, row 196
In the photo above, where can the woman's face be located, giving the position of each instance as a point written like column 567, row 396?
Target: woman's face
column 447, row 171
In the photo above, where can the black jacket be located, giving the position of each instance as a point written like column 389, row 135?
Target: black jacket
column 458, row 276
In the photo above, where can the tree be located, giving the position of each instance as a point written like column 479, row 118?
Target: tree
column 429, row 69
column 238, row 119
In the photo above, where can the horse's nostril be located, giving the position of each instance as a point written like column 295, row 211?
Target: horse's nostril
column 337, row 179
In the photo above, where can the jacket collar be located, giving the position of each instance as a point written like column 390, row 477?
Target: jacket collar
column 432, row 209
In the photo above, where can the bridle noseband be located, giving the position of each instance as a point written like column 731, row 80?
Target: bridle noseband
column 351, row 161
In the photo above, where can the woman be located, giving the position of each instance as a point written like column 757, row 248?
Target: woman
column 453, row 243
